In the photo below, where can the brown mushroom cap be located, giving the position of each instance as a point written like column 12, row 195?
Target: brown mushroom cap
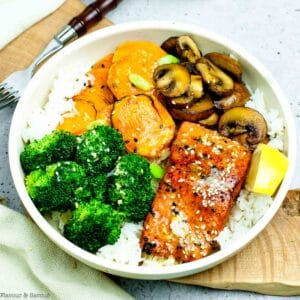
column 196, row 89
column 169, row 45
column 226, row 63
column 211, row 120
column 187, row 49
column 172, row 80
column 243, row 120
column 193, row 94
column 191, row 67
column 183, row 101
column 242, row 139
column 218, row 82
column 202, row 109
column 239, row 97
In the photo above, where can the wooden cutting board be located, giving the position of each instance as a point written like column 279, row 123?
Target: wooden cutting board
column 270, row 264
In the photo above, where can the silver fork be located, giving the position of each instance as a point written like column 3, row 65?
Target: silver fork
column 12, row 87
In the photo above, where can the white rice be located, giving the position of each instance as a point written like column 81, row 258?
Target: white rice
column 58, row 219
column 69, row 82
column 249, row 207
column 129, row 240
column 272, row 117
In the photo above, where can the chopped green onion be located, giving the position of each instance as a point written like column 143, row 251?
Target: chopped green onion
column 168, row 59
column 140, row 82
column 96, row 123
column 157, row 171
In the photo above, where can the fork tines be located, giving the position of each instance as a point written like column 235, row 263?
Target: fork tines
column 7, row 95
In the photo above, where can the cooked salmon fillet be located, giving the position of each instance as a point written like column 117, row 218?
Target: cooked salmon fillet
column 196, row 195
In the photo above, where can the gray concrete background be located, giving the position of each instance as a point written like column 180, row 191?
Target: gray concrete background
column 269, row 29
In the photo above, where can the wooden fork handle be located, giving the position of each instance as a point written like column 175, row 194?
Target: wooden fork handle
column 91, row 15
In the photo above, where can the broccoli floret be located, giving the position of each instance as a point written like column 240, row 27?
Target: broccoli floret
column 37, row 184
column 54, row 147
column 131, row 190
column 93, row 188
column 53, row 188
column 94, row 225
column 98, row 149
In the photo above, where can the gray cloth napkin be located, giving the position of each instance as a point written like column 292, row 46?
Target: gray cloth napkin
column 32, row 265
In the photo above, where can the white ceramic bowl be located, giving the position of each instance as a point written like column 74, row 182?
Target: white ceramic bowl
column 92, row 47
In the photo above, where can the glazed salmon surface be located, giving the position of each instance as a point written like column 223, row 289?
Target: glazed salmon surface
column 196, row 195
column 145, row 124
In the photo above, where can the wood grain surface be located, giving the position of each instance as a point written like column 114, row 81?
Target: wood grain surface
column 270, row 264
column 21, row 52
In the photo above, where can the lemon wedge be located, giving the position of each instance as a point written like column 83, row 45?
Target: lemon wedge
column 267, row 169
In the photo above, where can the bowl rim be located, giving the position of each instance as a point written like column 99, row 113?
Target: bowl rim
column 152, row 272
